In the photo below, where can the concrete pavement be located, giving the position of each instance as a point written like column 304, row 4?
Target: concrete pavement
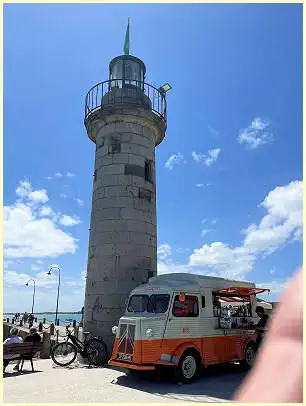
column 78, row 383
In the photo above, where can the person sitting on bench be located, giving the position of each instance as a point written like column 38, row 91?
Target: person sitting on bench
column 13, row 339
column 34, row 338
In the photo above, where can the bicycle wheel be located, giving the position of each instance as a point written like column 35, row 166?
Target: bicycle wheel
column 64, row 354
column 96, row 351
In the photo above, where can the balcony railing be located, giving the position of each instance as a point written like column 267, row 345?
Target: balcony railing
column 100, row 97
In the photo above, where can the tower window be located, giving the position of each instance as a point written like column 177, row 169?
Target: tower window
column 149, row 171
column 95, row 175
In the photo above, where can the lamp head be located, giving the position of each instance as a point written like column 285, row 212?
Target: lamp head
column 49, row 273
column 165, row 88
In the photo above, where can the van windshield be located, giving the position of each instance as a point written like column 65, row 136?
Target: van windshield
column 150, row 304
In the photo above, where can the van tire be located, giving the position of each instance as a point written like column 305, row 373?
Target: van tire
column 249, row 356
column 188, row 367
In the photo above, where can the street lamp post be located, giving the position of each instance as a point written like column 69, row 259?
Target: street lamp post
column 27, row 284
column 58, row 286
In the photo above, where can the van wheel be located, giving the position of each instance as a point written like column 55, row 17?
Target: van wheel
column 188, row 368
column 249, row 356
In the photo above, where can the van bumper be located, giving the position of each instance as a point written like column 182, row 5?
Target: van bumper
column 131, row 366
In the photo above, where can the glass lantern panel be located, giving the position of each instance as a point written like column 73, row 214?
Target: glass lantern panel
column 131, row 73
column 116, row 74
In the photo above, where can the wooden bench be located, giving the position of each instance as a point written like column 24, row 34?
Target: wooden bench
column 26, row 351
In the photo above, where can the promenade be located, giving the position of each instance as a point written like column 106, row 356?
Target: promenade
column 78, row 383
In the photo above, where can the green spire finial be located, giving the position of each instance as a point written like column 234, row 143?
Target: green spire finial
column 126, row 48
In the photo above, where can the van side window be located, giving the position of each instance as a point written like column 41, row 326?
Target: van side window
column 203, row 302
column 188, row 308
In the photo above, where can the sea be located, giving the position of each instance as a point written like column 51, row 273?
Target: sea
column 64, row 318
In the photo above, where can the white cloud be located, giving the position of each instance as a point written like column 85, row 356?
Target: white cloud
column 58, row 175
column 205, row 231
column 164, row 251
column 70, row 174
column 174, row 159
column 281, row 224
column 35, row 267
column 256, row 134
column 170, row 267
column 63, row 196
column 26, row 235
column 24, row 189
column 277, row 228
column 39, row 196
column 79, row 202
column 46, row 211
column 13, row 278
column 48, row 177
column 38, row 261
column 226, row 261
column 277, row 288
column 209, row 158
column 220, row 260
column 182, row 250
column 212, row 156
column 198, row 157
column 213, row 131
column 69, row 221
column 212, row 221
column 200, row 185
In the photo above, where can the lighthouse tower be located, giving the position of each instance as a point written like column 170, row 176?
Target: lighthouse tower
column 126, row 119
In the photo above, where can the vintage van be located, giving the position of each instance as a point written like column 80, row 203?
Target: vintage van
column 186, row 321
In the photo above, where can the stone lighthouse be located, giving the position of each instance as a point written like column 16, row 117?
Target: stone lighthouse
column 125, row 117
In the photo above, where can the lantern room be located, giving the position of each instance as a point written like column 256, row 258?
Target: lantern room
column 127, row 71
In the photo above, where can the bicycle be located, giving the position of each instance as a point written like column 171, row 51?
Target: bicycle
column 94, row 349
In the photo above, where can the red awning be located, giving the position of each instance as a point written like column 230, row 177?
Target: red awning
column 240, row 291
column 235, row 299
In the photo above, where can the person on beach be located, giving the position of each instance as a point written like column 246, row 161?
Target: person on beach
column 13, row 339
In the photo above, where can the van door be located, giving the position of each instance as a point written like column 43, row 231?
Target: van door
column 183, row 323
column 213, row 337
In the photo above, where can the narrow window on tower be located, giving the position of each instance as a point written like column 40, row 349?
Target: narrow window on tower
column 149, row 171
column 95, row 175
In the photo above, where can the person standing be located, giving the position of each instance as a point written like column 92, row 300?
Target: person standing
column 25, row 317
column 261, row 326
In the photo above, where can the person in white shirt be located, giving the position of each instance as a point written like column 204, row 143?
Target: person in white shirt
column 13, row 339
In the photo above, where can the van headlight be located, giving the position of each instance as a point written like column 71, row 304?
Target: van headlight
column 149, row 332
column 114, row 330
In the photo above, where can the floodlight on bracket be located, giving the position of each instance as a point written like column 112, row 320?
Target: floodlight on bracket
column 165, row 88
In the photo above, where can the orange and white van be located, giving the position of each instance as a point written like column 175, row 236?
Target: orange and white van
column 186, row 321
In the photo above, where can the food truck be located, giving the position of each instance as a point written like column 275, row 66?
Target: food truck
column 187, row 321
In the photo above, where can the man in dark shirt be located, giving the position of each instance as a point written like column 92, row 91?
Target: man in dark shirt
column 261, row 326
column 33, row 337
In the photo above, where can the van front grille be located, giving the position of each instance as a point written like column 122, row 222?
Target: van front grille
column 126, row 342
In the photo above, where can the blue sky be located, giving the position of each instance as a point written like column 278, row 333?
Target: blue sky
column 231, row 159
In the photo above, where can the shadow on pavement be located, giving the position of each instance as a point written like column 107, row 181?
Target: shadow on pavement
column 218, row 381
column 24, row 372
